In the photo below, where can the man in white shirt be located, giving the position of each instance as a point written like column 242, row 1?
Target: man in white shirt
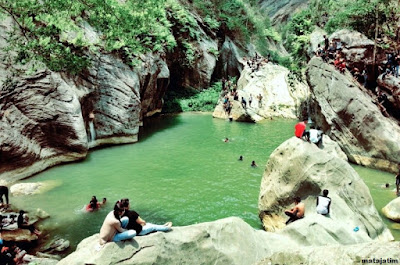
column 315, row 136
column 323, row 203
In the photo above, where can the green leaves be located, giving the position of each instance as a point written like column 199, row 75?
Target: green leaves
column 53, row 30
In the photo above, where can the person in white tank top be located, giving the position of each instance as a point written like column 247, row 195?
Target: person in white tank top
column 323, row 203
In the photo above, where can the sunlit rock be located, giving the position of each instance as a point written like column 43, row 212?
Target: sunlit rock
column 392, row 210
column 349, row 116
column 227, row 241
column 300, row 168
column 367, row 253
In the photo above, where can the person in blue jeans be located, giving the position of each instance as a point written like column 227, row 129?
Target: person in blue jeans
column 114, row 226
column 139, row 225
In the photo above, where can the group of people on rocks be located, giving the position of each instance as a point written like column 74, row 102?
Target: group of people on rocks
column 255, row 62
column 391, row 66
column 298, row 211
column 229, row 92
column 10, row 253
column 122, row 223
column 331, row 52
column 13, row 255
column 313, row 135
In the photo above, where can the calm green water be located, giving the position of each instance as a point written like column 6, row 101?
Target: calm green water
column 375, row 179
column 181, row 170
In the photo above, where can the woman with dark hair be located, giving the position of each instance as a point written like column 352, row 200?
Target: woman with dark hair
column 113, row 228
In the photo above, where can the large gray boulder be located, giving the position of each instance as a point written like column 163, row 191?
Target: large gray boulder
column 282, row 95
column 299, row 168
column 349, row 116
column 227, row 241
column 281, row 11
column 392, row 210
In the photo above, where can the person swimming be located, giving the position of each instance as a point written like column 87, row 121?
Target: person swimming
column 253, row 163
column 240, row 158
column 226, row 140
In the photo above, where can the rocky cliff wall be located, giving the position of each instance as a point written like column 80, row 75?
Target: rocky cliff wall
column 48, row 118
column 349, row 116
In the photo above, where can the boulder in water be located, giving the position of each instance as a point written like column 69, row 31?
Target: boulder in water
column 392, row 210
column 309, row 171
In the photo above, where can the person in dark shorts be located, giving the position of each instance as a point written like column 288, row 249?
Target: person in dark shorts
column 297, row 212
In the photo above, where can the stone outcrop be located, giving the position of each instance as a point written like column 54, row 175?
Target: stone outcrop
column 32, row 188
column 367, row 253
column 309, row 172
column 282, row 95
column 281, row 11
column 316, row 37
column 392, row 210
column 390, row 86
column 348, row 115
column 227, row 241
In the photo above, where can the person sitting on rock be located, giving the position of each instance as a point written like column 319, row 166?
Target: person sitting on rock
column 300, row 128
column 114, row 226
column 139, row 225
column 398, row 182
column 323, row 203
column 315, row 136
column 297, row 212
column 319, row 51
column 4, row 192
column 23, row 223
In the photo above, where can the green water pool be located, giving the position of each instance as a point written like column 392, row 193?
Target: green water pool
column 181, row 170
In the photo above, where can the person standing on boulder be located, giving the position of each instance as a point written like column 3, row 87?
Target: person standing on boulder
column 323, row 203
column 297, row 212
column 300, row 128
column 4, row 191
column 398, row 182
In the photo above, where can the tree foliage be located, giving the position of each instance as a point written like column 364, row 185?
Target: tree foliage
column 44, row 30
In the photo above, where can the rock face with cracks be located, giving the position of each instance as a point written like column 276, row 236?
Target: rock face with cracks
column 349, row 116
column 299, row 168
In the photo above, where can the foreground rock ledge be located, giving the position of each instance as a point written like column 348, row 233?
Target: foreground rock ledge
column 227, row 241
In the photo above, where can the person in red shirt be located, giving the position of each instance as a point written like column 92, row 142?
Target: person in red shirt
column 299, row 129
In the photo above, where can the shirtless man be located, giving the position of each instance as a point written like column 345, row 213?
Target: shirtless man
column 297, row 212
column 113, row 228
